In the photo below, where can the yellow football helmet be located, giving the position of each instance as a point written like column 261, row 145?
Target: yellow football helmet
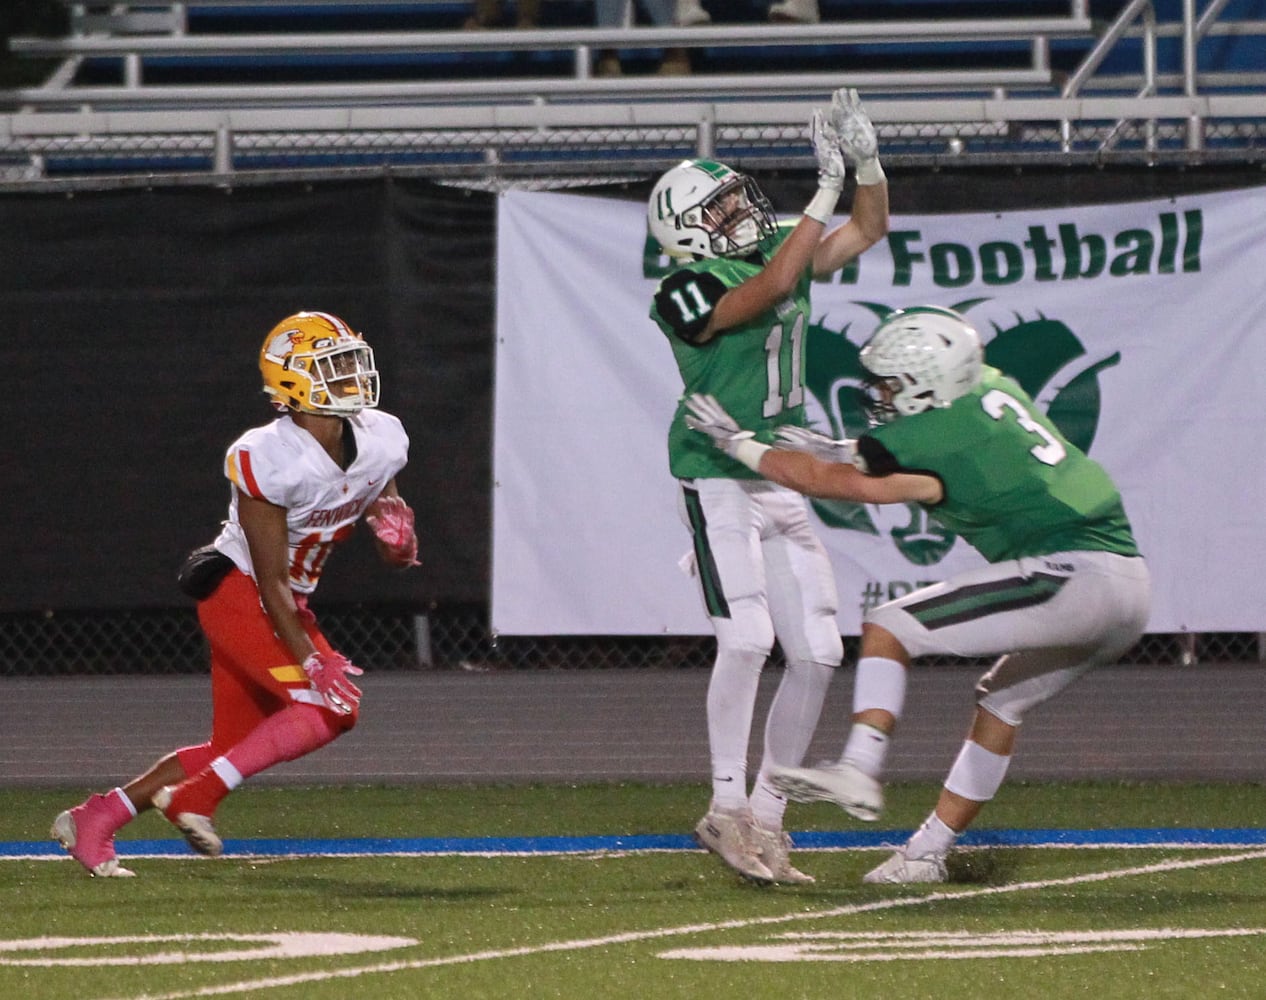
column 313, row 362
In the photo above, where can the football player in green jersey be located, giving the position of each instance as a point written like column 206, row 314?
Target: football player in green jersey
column 735, row 312
column 1065, row 588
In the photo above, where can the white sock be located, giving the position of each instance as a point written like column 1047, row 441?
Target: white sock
column 226, row 772
column 932, row 838
column 866, row 749
column 731, row 703
column 795, row 711
column 789, row 727
column 768, row 807
column 123, row 797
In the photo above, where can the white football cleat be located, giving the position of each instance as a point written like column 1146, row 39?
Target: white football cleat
column 731, row 837
column 900, row 870
column 858, row 794
column 199, row 831
column 774, row 850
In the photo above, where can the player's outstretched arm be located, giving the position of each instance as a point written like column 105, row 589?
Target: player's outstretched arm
column 800, row 470
column 835, row 481
column 779, row 277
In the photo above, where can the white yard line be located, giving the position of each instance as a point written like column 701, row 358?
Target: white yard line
column 582, row 944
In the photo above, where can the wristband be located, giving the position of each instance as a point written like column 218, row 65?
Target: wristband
column 822, row 206
column 750, row 453
column 870, row 172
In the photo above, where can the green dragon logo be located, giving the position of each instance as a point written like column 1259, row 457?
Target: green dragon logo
column 1031, row 352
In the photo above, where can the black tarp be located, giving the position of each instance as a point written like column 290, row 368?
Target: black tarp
column 132, row 325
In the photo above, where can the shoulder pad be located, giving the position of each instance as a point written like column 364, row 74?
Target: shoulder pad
column 685, row 300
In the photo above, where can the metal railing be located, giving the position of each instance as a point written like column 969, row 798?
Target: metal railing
column 506, row 129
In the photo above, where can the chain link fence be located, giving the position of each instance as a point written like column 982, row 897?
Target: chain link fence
column 567, row 156
column 169, row 641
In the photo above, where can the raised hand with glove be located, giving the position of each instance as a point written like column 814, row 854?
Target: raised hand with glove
column 831, row 166
column 856, row 136
column 391, row 521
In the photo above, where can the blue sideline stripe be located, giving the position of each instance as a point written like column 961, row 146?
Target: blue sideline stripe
column 1130, row 837
column 819, row 840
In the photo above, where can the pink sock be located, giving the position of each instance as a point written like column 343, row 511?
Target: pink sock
column 294, row 731
column 287, row 735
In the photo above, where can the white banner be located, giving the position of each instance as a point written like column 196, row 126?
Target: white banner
column 1140, row 327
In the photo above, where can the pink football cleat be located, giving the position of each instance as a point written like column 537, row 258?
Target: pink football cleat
column 87, row 833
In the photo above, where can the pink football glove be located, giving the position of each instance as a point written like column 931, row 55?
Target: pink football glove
column 391, row 520
column 328, row 673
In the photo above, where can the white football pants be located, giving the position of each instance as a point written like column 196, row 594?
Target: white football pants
column 1051, row 618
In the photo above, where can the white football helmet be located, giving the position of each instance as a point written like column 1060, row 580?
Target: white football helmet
column 701, row 208
column 313, row 362
column 918, row 359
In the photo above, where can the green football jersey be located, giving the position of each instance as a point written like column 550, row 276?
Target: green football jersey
column 1014, row 486
column 756, row 371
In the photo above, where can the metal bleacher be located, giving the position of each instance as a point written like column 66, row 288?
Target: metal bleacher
column 237, row 88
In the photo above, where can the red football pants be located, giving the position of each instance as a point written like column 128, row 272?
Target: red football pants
column 253, row 673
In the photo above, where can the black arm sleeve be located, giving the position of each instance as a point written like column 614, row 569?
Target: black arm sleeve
column 685, row 301
column 879, row 460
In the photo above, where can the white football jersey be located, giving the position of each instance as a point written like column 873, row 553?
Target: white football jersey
column 284, row 465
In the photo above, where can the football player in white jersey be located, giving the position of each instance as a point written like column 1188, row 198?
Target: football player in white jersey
column 735, row 313
column 298, row 486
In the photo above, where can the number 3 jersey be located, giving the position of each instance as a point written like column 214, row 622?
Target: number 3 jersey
column 756, row 370
column 283, row 464
column 1014, row 486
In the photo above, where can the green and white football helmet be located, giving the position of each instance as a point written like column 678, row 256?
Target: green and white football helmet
column 919, row 359
column 701, row 208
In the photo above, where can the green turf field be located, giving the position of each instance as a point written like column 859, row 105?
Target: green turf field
column 1026, row 922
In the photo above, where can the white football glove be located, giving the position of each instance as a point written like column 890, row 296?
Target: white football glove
column 857, row 137
column 818, row 445
column 831, row 167
column 826, row 147
column 709, row 417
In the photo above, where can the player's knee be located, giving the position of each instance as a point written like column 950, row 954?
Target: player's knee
column 328, row 724
column 345, row 723
column 822, row 641
column 884, row 633
column 747, row 630
column 1006, row 705
column 814, row 673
